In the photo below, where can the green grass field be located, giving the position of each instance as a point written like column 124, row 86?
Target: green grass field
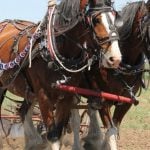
column 8, row 104
column 138, row 117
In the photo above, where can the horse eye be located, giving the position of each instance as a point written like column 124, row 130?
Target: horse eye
column 97, row 20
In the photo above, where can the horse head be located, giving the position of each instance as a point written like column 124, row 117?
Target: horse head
column 102, row 21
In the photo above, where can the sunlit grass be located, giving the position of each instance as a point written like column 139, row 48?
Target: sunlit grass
column 138, row 117
column 8, row 106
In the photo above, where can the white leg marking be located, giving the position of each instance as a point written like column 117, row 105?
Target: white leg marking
column 75, row 125
column 95, row 135
column 32, row 138
column 111, row 139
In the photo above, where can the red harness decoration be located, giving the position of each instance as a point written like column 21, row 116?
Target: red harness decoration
column 88, row 92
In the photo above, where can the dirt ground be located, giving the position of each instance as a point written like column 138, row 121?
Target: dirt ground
column 129, row 140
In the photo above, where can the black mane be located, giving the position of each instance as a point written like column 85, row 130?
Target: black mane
column 128, row 15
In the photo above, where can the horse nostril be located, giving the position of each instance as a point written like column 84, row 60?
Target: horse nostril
column 114, row 61
column 111, row 59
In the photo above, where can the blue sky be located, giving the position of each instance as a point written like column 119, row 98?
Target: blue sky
column 32, row 10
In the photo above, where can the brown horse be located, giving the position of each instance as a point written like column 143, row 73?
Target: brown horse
column 83, row 38
column 127, row 80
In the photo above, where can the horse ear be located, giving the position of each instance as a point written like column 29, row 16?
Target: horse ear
column 118, row 20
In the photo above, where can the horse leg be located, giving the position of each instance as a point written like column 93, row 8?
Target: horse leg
column 94, row 139
column 110, row 141
column 75, row 126
column 112, row 132
column 2, row 93
column 32, row 138
column 54, row 124
column 119, row 113
column 62, row 115
column 104, row 117
column 46, row 108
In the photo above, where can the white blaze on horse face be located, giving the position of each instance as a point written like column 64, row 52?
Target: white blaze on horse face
column 112, row 57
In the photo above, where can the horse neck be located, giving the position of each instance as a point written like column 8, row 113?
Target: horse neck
column 72, row 45
column 134, row 45
column 133, row 48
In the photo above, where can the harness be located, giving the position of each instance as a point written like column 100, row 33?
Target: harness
column 20, row 60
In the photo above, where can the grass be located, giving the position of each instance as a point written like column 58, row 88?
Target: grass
column 138, row 117
column 8, row 104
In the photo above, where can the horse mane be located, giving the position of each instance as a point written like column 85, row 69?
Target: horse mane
column 128, row 15
column 67, row 13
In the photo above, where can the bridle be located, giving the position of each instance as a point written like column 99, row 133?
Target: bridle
column 93, row 13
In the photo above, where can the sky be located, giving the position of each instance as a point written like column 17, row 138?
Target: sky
column 33, row 10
